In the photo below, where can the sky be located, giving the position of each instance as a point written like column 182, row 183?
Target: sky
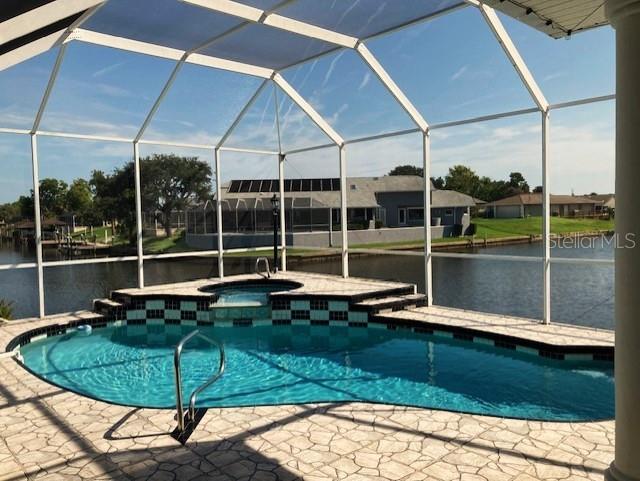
column 451, row 68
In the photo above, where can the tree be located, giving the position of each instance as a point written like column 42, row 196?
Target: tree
column 406, row 169
column 462, row 179
column 438, row 182
column 53, row 197
column 537, row 189
column 80, row 200
column 26, row 206
column 10, row 212
column 114, row 198
column 171, row 183
column 517, row 182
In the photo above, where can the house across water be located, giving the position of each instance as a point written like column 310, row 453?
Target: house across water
column 530, row 205
column 391, row 206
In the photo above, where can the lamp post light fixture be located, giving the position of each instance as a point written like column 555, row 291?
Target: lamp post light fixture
column 275, row 204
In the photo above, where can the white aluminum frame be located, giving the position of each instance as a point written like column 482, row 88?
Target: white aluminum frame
column 270, row 18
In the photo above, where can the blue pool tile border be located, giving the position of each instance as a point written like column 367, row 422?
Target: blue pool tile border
column 570, row 353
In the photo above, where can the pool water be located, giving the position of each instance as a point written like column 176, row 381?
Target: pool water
column 247, row 294
column 133, row 365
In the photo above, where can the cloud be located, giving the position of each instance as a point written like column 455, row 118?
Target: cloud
column 553, row 76
column 365, row 81
column 107, row 69
column 459, row 73
column 332, row 66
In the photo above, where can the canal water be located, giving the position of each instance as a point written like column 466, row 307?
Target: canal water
column 581, row 294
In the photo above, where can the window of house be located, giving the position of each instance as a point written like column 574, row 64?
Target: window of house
column 448, row 212
column 415, row 214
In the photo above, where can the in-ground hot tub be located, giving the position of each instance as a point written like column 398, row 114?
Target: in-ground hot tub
column 249, row 293
column 246, row 299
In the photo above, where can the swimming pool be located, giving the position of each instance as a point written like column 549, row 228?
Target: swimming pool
column 288, row 364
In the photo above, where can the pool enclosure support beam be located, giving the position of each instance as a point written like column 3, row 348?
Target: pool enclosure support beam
column 35, row 168
column 624, row 15
column 426, row 183
column 281, row 160
column 219, row 233
column 283, row 222
column 138, row 191
column 37, row 223
column 343, row 211
column 417, row 118
column 512, row 53
column 546, row 221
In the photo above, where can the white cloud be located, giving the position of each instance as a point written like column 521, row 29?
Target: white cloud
column 459, row 73
column 365, row 81
column 107, row 69
column 332, row 66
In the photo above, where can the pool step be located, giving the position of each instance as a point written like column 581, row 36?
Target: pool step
column 105, row 306
column 392, row 303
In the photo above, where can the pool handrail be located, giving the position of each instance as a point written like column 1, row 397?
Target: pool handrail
column 177, row 354
column 211, row 380
column 266, row 274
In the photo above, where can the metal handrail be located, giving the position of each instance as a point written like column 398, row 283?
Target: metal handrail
column 210, row 381
column 177, row 354
column 266, row 262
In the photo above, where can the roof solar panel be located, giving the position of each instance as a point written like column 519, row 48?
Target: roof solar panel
column 255, row 186
column 235, row 186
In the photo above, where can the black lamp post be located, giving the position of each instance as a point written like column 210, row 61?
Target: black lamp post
column 275, row 203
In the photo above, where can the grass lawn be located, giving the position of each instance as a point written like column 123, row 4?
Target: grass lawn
column 99, row 233
column 500, row 228
column 158, row 245
column 489, row 228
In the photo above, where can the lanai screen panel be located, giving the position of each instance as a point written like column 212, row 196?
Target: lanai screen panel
column 364, row 18
column 170, row 23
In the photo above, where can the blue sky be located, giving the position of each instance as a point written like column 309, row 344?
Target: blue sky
column 451, row 68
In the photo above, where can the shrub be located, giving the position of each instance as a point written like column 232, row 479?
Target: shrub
column 6, row 309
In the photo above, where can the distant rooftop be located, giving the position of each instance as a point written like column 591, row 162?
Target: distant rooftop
column 361, row 191
column 536, row 199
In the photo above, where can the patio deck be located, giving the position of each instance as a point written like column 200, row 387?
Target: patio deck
column 49, row 433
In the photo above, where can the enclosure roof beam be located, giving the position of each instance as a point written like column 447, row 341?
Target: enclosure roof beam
column 287, row 24
column 56, row 67
column 49, row 36
column 145, row 48
column 275, row 20
column 195, row 56
column 501, row 34
column 308, row 109
column 392, row 87
column 242, row 113
column 38, row 18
